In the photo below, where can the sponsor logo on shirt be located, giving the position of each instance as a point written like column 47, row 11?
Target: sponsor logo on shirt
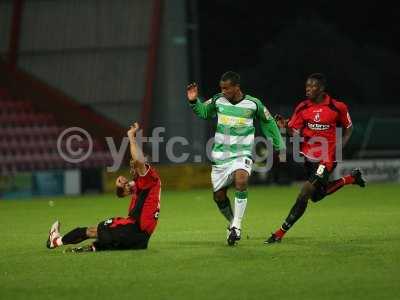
column 318, row 127
column 232, row 121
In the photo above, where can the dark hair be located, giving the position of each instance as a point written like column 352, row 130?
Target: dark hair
column 319, row 77
column 232, row 76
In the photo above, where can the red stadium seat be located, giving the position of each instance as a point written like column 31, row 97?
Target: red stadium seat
column 28, row 139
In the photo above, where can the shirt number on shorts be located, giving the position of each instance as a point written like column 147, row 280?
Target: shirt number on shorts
column 107, row 222
column 320, row 170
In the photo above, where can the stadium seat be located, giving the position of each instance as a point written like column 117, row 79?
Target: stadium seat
column 28, row 139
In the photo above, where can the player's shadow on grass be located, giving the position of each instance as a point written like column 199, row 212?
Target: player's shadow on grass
column 343, row 246
column 262, row 238
column 194, row 244
column 337, row 245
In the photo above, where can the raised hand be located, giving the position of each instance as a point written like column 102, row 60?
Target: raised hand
column 192, row 92
column 133, row 129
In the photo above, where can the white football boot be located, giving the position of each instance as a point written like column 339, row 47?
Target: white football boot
column 54, row 233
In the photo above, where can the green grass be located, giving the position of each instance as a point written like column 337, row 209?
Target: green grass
column 345, row 247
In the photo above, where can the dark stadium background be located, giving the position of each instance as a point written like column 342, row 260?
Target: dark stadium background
column 334, row 37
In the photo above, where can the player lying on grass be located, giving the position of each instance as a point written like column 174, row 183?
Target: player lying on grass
column 317, row 117
column 132, row 232
column 233, row 143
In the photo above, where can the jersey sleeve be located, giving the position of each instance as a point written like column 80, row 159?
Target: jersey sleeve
column 344, row 116
column 296, row 122
column 205, row 110
column 269, row 127
column 148, row 180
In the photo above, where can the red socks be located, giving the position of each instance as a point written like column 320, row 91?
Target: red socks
column 280, row 233
column 348, row 179
column 337, row 184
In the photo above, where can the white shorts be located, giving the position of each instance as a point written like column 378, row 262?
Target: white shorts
column 222, row 175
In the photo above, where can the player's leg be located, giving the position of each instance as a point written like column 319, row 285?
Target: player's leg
column 241, row 178
column 295, row 213
column 355, row 177
column 241, row 183
column 106, row 234
column 120, row 234
column 316, row 191
column 91, row 233
column 308, row 190
column 129, row 236
column 75, row 236
column 331, row 187
column 78, row 235
column 103, row 233
column 224, row 204
column 241, row 170
column 221, row 179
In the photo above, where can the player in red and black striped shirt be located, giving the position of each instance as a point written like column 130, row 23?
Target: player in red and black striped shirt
column 316, row 120
column 132, row 232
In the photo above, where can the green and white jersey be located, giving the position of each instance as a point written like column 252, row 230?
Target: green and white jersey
column 234, row 136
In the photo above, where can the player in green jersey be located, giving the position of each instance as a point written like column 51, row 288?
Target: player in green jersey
column 233, row 143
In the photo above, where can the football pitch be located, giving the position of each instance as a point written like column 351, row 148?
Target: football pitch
column 345, row 247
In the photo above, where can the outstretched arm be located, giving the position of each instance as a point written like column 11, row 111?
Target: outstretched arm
column 204, row 110
column 269, row 127
column 345, row 121
column 284, row 123
column 136, row 152
column 346, row 135
column 271, row 130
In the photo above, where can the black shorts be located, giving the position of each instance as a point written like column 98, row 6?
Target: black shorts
column 317, row 173
column 113, row 236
